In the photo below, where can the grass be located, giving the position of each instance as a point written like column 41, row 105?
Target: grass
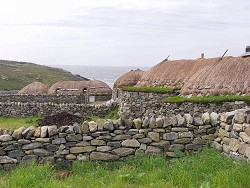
column 113, row 114
column 208, row 99
column 150, row 89
column 206, row 169
column 16, row 75
column 11, row 123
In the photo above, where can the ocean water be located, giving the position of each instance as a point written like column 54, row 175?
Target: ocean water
column 108, row 74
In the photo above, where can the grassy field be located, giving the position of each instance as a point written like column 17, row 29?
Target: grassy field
column 206, row 169
column 9, row 123
column 208, row 99
column 150, row 89
column 16, row 75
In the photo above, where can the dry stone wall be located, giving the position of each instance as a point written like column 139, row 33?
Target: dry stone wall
column 116, row 139
column 233, row 134
column 56, row 99
column 140, row 104
column 18, row 109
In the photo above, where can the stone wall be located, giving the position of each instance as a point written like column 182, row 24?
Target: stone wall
column 18, row 109
column 139, row 104
column 56, row 99
column 233, row 134
column 115, row 139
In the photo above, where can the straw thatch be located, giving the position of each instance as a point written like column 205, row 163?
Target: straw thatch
column 34, row 89
column 77, row 87
column 68, row 87
column 223, row 76
column 97, row 87
column 129, row 79
column 172, row 73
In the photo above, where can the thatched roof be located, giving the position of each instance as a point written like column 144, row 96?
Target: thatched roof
column 98, row 87
column 34, row 89
column 223, row 76
column 77, row 87
column 129, row 79
column 68, row 87
column 172, row 73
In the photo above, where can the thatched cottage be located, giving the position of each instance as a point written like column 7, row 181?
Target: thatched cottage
column 35, row 88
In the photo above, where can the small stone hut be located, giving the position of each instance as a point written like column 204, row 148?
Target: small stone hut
column 129, row 79
column 95, row 90
column 34, row 88
column 172, row 73
column 227, row 75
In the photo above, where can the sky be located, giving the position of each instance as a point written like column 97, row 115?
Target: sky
column 121, row 32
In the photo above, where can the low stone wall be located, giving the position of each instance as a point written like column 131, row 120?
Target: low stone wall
column 114, row 140
column 18, row 109
column 57, row 99
column 140, row 104
column 233, row 134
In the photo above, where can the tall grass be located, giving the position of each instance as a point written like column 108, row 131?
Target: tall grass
column 12, row 123
column 205, row 169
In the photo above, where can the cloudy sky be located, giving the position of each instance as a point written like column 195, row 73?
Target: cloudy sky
column 121, row 32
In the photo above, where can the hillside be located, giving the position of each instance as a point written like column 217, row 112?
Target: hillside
column 15, row 75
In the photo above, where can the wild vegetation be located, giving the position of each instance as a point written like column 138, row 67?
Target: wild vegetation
column 206, row 169
column 208, row 99
column 12, row 123
column 150, row 89
column 15, row 75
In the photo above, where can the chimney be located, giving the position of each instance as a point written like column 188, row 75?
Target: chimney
column 248, row 49
column 247, row 52
column 202, row 55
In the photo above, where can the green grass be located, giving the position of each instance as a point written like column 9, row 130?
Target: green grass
column 11, row 123
column 206, row 169
column 150, row 89
column 113, row 114
column 208, row 99
column 16, row 75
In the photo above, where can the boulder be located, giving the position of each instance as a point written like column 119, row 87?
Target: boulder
column 108, row 125
column 52, row 130
column 170, row 136
column 206, row 118
column 44, row 130
column 103, row 148
column 73, row 137
column 133, row 143
column 17, row 134
column 37, row 132
column 154, row 136
column 214, row 118
column 138, row 123
column 188, row 119
column 29, row 132
column 7, row 160
column 85, row 127
column 100, row 156
column 152, row 150
column 77, row 128
column 59, row 141
column 5, row 138
column 145, row 123
column 33, row 145
column 122, row 152
column 152, row 122
column 159, row 122
column 180, row 120
column 92, row 126
column 83, row 149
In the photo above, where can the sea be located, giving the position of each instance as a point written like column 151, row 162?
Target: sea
column 107, row 74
